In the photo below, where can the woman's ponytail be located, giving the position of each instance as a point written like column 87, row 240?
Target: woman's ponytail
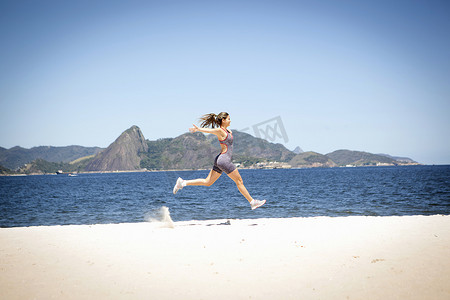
column 209, row 120
column 213, row 120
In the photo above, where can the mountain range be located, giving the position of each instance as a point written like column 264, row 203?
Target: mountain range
column 17, row 156
column 131, row 151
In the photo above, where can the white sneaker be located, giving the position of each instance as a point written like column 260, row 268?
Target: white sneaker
column 257, row 203
column 178, row 186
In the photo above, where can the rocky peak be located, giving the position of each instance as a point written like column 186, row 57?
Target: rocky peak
column 134, row 138
column 122, row 155
column 298, row 150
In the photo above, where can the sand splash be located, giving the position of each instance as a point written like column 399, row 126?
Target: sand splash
column 162, row 216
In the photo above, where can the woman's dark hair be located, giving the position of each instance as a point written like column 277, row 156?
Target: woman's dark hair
column 213, row 120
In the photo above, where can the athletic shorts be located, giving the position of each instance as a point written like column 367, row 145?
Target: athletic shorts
column 223, row 163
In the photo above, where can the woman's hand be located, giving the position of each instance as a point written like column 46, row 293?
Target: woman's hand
column 194, row 129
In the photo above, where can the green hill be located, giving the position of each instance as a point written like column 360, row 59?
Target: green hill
column 40, row 166
column 187, row 151
column 197, row 151
column 4, row 170
column 359, row 158
column 249, row 149
column 311, row 159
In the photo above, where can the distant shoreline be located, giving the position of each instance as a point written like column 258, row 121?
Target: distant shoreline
column 181, row 170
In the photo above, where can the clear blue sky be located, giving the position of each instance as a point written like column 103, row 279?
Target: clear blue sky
column 362, row 75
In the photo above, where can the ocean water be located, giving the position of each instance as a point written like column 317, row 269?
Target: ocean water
column 137, row 197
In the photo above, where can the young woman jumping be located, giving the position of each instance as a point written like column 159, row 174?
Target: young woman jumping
column 222, row 163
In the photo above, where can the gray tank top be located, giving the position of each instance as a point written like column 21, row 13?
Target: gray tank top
column 228, row 141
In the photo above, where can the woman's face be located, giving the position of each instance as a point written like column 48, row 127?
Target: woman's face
column 226, row 122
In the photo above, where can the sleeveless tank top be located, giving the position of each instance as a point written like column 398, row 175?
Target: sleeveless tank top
column 228, row 141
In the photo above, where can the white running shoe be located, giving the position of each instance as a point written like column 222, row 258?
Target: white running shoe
column 178, row 186
column 257, row 203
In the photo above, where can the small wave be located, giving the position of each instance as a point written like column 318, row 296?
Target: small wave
column 161, row 215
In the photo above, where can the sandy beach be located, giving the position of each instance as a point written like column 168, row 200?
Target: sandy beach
column 296, row 258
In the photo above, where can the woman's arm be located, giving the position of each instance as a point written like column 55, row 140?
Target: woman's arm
column 216, row 131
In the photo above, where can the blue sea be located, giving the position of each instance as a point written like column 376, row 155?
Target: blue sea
column 136, row 197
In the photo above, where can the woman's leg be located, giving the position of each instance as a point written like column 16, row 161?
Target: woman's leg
column 208, row 181
column 240, row 184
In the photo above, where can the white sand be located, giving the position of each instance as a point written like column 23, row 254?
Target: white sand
column 299, row 258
